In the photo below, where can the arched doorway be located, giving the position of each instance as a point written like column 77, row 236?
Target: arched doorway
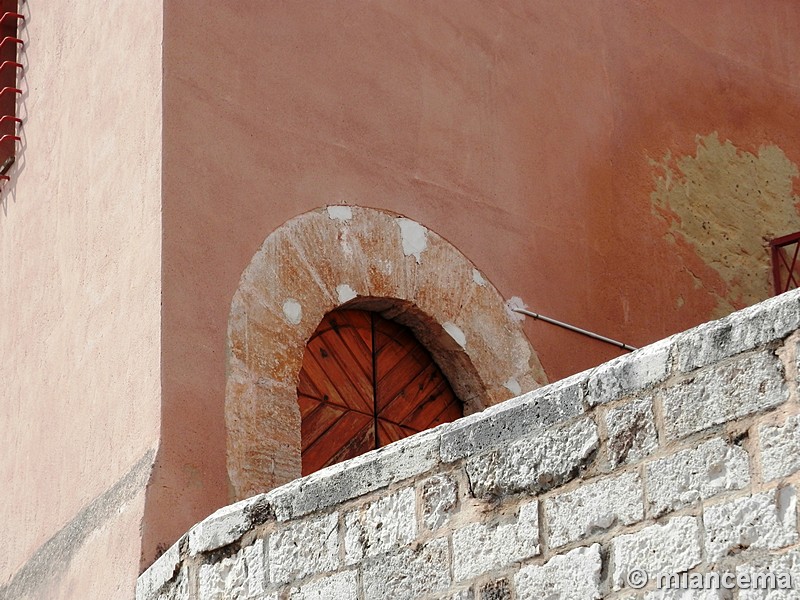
column 368, row 259
column 366, row 382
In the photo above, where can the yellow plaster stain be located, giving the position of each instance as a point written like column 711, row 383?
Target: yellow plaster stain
column 726, row 204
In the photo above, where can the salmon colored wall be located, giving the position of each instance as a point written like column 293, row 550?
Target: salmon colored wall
column 80, row 263
column 531, row 135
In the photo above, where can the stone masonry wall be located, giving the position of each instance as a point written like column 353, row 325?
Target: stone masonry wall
column 682, row 457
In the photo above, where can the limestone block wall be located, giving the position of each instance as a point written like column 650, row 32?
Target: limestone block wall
column 681, row 458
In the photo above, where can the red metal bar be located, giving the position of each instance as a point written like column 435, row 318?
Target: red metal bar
column 5, row 177
column 6, row 118
column 8, row 136
column 779, row 256
column 9, row 38
column 11, row 15
column 10, row 89
column 14, row 63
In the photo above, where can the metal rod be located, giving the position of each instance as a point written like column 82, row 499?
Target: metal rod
column 590, row 334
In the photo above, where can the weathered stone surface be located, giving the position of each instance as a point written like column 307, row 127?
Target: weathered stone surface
column 467, row 594
column 341, row 586
column 228, row 524
column 439, row 498
column 160, row 572
column 242, row 576
column 304, row 548
column 738, row 332
column 767, row 520
column 723, row 392
column 780, row 449
column 695, row 474
column 358, row 476
column 408, row 573
column 688, row 594
column 782, row 567
column 668, row 548
column 495, row 590
column 571, row 576
column 178, row 589
column 478, row 548
column 380, row 526
column 534, row 464
column 630, row 373
column 514, row 418
column 631, row 431
column 593, row 508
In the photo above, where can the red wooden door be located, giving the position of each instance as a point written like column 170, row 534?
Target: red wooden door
column 366, row 382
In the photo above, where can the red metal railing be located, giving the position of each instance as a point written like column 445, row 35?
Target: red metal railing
column 785, row 268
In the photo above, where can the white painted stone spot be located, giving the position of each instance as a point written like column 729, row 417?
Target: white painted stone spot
column 513, row 386
column 478, row 278
column 292, row 311
column 340, row 213
column 456, row 333
column 345, row 293
column 414, row 236
column 515, row 302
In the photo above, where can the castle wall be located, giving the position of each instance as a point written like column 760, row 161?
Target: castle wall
column 679, row 458
column 80, row 282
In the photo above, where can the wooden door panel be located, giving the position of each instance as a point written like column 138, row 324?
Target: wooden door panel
column 366, row 382
column 346, row 437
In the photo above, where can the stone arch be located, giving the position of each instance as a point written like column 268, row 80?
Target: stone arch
column 369, row 259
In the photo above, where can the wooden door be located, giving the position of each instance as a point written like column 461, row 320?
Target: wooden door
column 366, row 382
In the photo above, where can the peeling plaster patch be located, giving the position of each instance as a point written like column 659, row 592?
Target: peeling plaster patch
column 515, row 302
column 478, row 278
column 415, row 237
column 345, row 293
column 456, row 333
column 340, row 213
column 292, row 311
column 725, row 202
column 513, row 386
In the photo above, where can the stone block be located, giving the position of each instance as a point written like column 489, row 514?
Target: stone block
column 631, row 431
column 228, row 524
column 688, row 594
column 630, row 373
column 160, row 572
column 380, row 526
column 439, row 498
column 722, row 393
column 593, row 508
column 304, row 548
column 534, row 464
column 341, row 586
column 669, row 548
column 695, row 474
column 571, row 576
column 771, row 574
column 739, row 332
column 780, row 449
column 764, row 521
column 479, row 548
column 361, row 475
column 408, row 573
column 499, row 589
column 503, row 423
column 242, row 576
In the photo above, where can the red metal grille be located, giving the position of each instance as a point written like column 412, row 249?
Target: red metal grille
column 785, row 269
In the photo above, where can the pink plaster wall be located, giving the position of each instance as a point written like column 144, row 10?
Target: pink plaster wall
column 80, row 267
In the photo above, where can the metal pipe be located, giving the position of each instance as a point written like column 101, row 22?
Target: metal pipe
column 590, row 334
